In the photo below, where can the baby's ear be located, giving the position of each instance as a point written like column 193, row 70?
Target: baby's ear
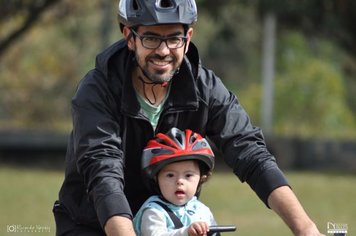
column 203, row 178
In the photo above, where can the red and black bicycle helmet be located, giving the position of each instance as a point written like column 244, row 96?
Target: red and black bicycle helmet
column 133, row 13
column 176, row 145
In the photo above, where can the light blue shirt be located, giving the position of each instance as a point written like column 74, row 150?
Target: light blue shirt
column 161, row 223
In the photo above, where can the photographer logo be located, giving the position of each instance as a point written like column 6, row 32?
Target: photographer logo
column 337, row 228
column 17, row 228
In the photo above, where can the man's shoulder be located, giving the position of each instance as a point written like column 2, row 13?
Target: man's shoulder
column 112, row 49
column 116, row 54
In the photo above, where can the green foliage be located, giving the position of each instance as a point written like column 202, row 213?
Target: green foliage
column 39, row 75
column 250, row 98
column 314, row 84
column 229, row 44
column 310, row 93
column 310, row 97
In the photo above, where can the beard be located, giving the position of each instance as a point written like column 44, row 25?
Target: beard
column 158, row 76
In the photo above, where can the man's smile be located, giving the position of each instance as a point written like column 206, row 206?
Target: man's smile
column 160, row 62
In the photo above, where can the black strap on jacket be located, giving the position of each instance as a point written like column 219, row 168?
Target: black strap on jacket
column 176, row 221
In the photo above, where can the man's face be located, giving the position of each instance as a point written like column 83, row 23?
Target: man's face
column 161, row 63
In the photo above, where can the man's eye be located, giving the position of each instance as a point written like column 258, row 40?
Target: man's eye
column 151, row 39
column 174, row 40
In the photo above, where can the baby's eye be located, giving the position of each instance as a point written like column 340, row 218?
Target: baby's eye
column 169, row 175
column 188, row 175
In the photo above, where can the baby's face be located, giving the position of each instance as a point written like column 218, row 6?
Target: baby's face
column 178, row 181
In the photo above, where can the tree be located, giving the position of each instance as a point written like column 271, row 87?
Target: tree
column 39, row 74
column 310, row 92
column 28, row 11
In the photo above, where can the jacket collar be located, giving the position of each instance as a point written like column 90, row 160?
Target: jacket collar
column 183, row 93
column 119, row 61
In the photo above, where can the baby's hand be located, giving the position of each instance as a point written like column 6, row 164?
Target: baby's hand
column 198, row 229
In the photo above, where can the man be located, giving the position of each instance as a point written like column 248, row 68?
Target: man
column 148, row 83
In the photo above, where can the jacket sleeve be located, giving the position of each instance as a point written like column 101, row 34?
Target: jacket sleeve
column 98, row 146
column 242, row 145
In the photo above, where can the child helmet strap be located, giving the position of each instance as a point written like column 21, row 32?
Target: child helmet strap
column 176, row 221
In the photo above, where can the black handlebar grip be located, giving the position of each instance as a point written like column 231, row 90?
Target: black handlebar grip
column 221, row 228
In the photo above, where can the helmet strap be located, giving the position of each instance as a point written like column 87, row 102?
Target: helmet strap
column 153, row 83
column 152, row 90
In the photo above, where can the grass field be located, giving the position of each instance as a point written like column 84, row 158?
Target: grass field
column 325, row 197
column 27, row 196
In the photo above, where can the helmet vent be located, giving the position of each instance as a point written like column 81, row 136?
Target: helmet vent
column 135, row 5
column 192, row 139
column 165, row 3
column 179, row 138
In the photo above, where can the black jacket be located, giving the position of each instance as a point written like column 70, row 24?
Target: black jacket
column 103, row 158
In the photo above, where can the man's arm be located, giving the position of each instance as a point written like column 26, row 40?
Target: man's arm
column 119, row 226
column 284, row 202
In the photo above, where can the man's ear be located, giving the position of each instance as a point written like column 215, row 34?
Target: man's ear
column 189, row 37
column 128, row 36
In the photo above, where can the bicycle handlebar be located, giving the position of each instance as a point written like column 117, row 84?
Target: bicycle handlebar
column 221, row 228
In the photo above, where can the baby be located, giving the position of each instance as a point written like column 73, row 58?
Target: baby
column 176, row 164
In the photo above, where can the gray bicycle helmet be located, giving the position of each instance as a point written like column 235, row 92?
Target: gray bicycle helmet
column 133, row 13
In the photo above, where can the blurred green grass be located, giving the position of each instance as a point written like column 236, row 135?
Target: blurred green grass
column 27, row 196
column 326, row 197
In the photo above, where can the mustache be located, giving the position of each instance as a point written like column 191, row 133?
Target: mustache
column 162, row 58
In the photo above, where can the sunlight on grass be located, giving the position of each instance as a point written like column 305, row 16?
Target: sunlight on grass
column 27, row 196
column 325, row 197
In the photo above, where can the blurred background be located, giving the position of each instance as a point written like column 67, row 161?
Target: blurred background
column 292, row 64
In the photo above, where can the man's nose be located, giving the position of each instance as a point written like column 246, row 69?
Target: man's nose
column 163, row 48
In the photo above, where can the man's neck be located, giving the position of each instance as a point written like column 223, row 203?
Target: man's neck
column 152, row 93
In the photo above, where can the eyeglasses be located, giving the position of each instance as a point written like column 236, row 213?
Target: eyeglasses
column 153, row 42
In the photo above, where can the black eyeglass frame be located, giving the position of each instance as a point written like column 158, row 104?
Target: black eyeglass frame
column 161, row 39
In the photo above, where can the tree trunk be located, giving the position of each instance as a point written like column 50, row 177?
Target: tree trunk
column 268, row 67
